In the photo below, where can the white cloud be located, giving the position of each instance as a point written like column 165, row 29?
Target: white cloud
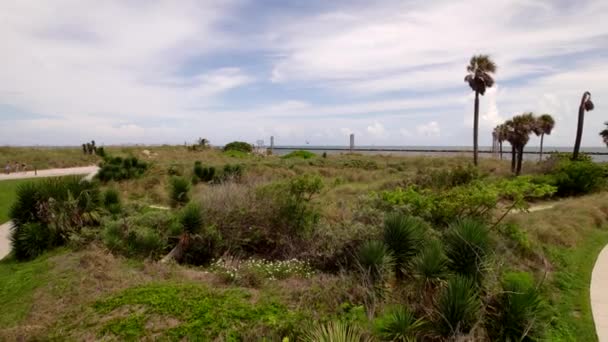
column 430, row 129
column 377, row 130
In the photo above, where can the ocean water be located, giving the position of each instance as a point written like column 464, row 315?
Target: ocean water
column 599, row 154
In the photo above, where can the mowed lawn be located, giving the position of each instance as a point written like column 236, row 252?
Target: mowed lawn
column 8, row 190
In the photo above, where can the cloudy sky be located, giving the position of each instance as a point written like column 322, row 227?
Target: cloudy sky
column 139, row 71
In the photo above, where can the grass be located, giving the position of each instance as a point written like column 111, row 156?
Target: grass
column 18, row 282
column 45, row 157
column 8, row 190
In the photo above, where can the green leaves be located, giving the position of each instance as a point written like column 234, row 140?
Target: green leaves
column 191, row 218
column 466, row 245
column 404, row 237
column 458, row 307
column 399, row 324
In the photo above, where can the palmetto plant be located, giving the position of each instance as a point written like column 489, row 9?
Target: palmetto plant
column 466, row 245
column 404, row 237
column 604, row 134
column 398, row 324
column 431, row 264
column 334, row 331
column 191, row 221
column 518, row 131
column 375, row 260
column 585, row 106
column 458, row 307
column 479, row 78
column 180, row 188
column 545, row 124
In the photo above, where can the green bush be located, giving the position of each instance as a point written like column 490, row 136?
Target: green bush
column 100, row 151
column 179, row 191
column 375, row 261
column 297, row 210
column 466, row 245
column 132, row 240
column 334, row 331
column 299, row 154
column 229, row 173
column 447, row 178
column 458, row 307
column 404, row 236
column 431, row 264
column 118, row 168
column 111, row 201
column 398, row 324
column 361, row 164
column 577, row 177
column 239, row 146
column 204, row 174
column 52, row 210
column 175, row 170
column 519, row 312
column 191, row 218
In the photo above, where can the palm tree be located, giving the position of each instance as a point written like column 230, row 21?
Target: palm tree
column 585, row 106
column 479, row 78
column 545, row 125
column 518, row 132
column 501, row 136
column 604, row 134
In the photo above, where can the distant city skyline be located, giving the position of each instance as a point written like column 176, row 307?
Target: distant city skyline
column 391, row 72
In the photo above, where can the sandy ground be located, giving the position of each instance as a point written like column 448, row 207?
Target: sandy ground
column 599, row 295
column 89, row 171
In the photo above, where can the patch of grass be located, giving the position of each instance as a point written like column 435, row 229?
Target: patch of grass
column 8, row 192
column 573, row 320
column 299, row 154
column 46, row 157
column 18, row 281
column 203, row 313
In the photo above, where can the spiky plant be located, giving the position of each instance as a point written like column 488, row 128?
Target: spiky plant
column 399, row 324
column 431, row 264
column 466, row 245
column 404, row 236
column 375, row 260
column 191, row 221
column 479, row 78
column 180, row 188
column 334, row 331
column 111, row 200
column 519, row 312
column 29, row 240
column 458, row 307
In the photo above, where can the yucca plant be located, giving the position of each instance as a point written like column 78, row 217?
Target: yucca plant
column 180, row 188
column 334, row 331
column 111, row 201
column 191, row 221
column 518, row 312
column 466, row 246
column 398, row 324
column 375, row 260
column 431, row 265
column 458, row 307
column 404, row 237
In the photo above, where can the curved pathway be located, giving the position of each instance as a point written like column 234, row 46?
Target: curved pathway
column 599, row 295
column 89, row 171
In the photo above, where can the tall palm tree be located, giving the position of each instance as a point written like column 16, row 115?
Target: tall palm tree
column 518, row 131
column 501, row 136
column 479, row 78
column 585, row 106
column 604, row 134
column 545, row 126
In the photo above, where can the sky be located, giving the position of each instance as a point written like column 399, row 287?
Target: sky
column 391, row 72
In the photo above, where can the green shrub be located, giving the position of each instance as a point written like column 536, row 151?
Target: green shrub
column 334, row 331
column 239, row 146
column 29, row 240
column 398, row 324
column 362, row 164
column 299, row 154
column 175, row 170
column 458, row 307
column 519, row 312
column 431, row 264
column 204, row 174
column 179, row 190
column 118, row 168
column 577, row 177
column 100, row 151
column 111, row 201
column 466, row 244
column 518, row 236
column 447, row 178
column 324, row 155
column 229, row 173
column 404, row 236
column 132, row 240
column 297, row 210
column 191, row 218
column 375, row 260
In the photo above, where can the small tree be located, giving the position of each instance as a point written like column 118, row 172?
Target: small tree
column 604, row 134
column 545, row 125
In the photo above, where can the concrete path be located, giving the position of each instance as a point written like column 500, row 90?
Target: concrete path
column 90, row 171
column 599, row 295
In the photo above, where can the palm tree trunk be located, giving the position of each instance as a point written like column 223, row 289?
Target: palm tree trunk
column 579, row 128
column 475, row 128
column 520, row 157
column 542, row 137
column 513, row 155
column 500, row 150
column 178, row 252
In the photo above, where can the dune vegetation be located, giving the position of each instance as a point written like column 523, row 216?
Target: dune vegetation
column 182, row 243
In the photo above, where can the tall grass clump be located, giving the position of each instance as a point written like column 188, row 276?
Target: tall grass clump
column 458, row 307
column 111, row 201
column 179, row 191
column 399, row 324
column 466, row 245
column 334, row 331
column 375, row 261
column 518, row 312
column 118, row 168
column 431, row 265
column 203, row 173
column 191, row 221
column 404, row 237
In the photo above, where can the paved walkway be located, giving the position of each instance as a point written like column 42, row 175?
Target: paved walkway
column 89, row 171
column 599, row 295
column 84, row 170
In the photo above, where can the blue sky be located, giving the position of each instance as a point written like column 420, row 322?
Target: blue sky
column 389, row 71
